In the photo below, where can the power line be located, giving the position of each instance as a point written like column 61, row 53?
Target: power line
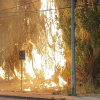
column 28, row 12
column 37, row 11
column 91, row 4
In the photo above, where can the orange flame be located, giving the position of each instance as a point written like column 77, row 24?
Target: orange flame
column 45, row 65
column 2, row 73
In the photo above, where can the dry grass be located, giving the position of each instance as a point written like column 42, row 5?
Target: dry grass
column 86, row 88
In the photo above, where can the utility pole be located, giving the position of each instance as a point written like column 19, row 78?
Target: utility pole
column 73, row 53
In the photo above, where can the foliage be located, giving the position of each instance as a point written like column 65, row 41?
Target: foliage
column 67, row 72
column 52, row 98
column 69, row 91
column 15, row 31
column 64, row 91
column 63, row 99
column 58, row 92
column 87, row 35
column 86, row 88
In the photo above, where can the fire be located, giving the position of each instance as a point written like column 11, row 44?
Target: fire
column 27, row 89
column 61, row 81
column 43, row 66
column 29, row 68
column 17, row 73
column 2, row 73
column 52, row 84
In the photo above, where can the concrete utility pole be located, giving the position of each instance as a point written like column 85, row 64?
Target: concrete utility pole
column 73, row 53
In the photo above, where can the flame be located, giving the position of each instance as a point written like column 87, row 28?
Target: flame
column 17, row 73
column 29, row 68
column 52, row 84
column 61, row 81
column 2, row 73
column 27, row 89
column 43, row 66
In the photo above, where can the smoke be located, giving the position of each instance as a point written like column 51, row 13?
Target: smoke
column 15, row 31
column 6, row 4
column 10, row 28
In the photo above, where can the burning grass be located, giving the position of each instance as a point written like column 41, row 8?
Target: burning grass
column 39, row 69
column 35, row 85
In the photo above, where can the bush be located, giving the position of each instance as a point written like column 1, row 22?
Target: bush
column 69, row 91
column 65, row 91
column 56, row 92
column 86, row 88
column 89, row 87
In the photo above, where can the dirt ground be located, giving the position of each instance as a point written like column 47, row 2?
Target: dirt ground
column 13, row 88
column 34, row 86
column 48, row 96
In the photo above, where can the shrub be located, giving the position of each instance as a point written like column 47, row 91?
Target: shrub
column 69, row 91
column 86, row 88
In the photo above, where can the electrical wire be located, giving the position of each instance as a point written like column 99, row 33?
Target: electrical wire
column 91, row 4
column 38, row 11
